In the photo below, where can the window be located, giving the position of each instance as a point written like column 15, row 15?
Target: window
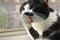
column 55, row 4
column 9, row 18
column 11, row 7
column 9, row 15
column 6, row 0
column 17, row 1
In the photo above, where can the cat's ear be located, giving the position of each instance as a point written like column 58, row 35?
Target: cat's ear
column 44, row 1
column 41, row 1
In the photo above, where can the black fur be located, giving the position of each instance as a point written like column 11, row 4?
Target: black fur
column 34, row 33
column 55, row 36
column 28, row 14
column 53, row 28
column 22, row 7
column 40, row 7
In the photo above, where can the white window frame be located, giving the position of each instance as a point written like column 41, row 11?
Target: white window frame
column 15, row 32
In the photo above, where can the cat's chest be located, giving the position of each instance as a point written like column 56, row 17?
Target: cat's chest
column 41, row 25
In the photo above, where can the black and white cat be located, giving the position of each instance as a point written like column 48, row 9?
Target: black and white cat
column 45, row 22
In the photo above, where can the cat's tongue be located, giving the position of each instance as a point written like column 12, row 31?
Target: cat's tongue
column 29, row 19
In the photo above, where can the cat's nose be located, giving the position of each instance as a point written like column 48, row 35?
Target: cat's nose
column 28, row 14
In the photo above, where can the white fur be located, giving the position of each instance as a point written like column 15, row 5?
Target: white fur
column 39, row 24
column 24, row 20
column 26, row 7
column 24, row 17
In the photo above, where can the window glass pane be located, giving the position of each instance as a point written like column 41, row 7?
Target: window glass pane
column 11, row 7
column 9, row 15
column 3, row 18
column 2, row 6
column 6, row 0
column 55, row 4
column 17, row 1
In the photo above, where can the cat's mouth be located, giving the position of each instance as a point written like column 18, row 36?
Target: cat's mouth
column 29, row 18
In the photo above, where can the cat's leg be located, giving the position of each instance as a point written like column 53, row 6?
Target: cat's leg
column 27, row 26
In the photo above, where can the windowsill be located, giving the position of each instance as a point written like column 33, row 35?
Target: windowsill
column 8, row 33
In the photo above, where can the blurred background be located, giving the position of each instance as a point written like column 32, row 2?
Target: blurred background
column 9, row 13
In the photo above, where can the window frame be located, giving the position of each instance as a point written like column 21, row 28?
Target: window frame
column 11, row 32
